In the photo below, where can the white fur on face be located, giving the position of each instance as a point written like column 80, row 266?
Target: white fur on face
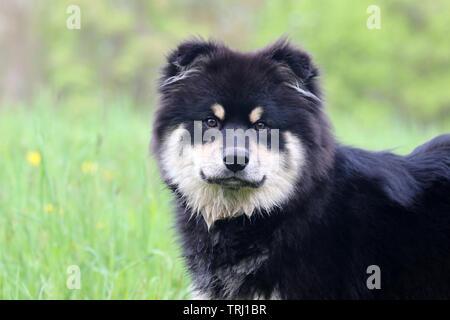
column 182, row 163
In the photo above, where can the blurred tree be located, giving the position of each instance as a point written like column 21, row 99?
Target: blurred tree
column 402, row 68
column 17, row 62
column 122, row 44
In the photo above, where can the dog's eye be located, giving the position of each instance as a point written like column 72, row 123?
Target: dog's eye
column 211, row 122
column 260, row 125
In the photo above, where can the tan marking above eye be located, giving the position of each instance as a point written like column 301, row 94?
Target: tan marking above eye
column 256, row 114
column 219, row 111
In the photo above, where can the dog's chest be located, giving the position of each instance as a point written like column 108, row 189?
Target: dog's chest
column 230, row 265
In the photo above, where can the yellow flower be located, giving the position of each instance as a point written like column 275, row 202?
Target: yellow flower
column 49, row 208
column 99, row 225
column 34, row 158
column 108, row 175
column 89, row 167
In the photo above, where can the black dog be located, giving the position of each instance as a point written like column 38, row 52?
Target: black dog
column 309, row 218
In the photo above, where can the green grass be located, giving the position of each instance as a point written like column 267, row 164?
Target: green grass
column 113, row 219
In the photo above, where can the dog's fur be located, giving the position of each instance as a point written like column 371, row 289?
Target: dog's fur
column 311, row 229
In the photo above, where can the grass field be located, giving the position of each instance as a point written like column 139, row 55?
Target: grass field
column 77, row 187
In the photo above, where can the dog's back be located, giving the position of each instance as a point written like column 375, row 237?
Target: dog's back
column 394, row 212
column 430, row 165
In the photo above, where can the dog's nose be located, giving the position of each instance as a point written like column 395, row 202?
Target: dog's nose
column 235, row 159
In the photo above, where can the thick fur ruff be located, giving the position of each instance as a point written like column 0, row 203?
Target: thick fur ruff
column 312, row 228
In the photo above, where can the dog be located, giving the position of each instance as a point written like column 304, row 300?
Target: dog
column 299, row 216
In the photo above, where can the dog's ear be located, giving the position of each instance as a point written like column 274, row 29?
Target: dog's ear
column 297, row 62
column 189, row 50
column 188, row 54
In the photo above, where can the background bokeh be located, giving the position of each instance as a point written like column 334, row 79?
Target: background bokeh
column 77, row 185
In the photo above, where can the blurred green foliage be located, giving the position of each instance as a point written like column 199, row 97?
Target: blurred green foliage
column 401, row 69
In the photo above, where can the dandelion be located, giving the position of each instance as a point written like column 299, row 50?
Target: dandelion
column 89, row 167
column 34, row 158
column 49, row 208
column 99, row 225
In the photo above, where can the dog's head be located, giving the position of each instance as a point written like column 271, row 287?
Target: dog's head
column 240, row 133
